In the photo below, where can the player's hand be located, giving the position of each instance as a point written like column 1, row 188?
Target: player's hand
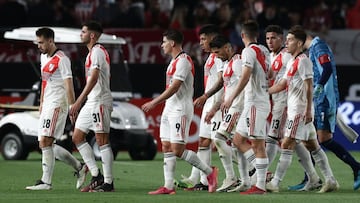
column 73, row 112
column 208, row 116
column 147, row 106
column 200, row 101
column 319, row 93
column 226, row 105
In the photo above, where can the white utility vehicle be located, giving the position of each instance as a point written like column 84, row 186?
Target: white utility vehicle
column 129, row 127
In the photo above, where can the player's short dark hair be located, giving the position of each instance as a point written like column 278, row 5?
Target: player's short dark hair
column 274, row 28
column 94, row 26
column 174, row 35
column 45, row 32
column 298, row 32
column 250, row 28
column 219, row 41
column 209, row 29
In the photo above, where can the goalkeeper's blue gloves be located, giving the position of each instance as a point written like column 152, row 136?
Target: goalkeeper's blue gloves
column 319, row 93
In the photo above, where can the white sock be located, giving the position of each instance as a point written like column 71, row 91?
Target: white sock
column 250, row 156
column 322, row 161
column 191, row 157
column 204, row 154
column 225, row 154
column 107, row 158
column 272, row 147
column 261, row 168
column 48, row 163
column 169, row 169
column 243, row 168
column 306, row 163
column 88, row 156
column 283, row 164
column 66, row 157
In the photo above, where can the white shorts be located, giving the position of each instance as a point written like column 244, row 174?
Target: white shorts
column 52, row 122
column 94, row 117
column 175, row 128
column 252, row 123
column 228, row 123
column 277, row 124
column 297, row 129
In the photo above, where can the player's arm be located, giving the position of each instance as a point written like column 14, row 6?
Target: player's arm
column 278, row 87
column 42, row 95
column 171, row 90
column 90, row 83
column 214, row 89
column 309, row 92
column 325, row 62
column 69, row 86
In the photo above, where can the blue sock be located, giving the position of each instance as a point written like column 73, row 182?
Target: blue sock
column 342, row 154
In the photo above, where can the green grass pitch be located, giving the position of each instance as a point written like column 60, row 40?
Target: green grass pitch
column 133, row 179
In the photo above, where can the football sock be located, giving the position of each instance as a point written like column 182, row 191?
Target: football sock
column 272, row 147
column 341, row 153
column 194, row 160
column 323, row 163
column 65, row 156
column 204, row 155
column 250, row 156
column 169, row 169
column 107, row 159
column 243, row 168
column 48, row 163
column 225, row 155
column 283, row 164
column 261, row 168
column 306, row 162
column 87, row 154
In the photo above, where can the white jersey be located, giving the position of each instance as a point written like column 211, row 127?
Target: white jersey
column 278, row 66
column 98, row 58
column 298, row 69
column 231, row 75
column 213, row 66
column 54, row 70
column 257, row 57
column 181, row 68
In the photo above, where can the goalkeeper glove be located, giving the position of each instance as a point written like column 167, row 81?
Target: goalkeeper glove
column 319, row 93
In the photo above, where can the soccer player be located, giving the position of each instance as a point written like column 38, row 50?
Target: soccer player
column 299, row 126
column 177, row 114
column 95, row 114
column 326, row 101
column 221, row 46
column 252, row 123
column 279, row 58
column 56, row 95
column 213, row 83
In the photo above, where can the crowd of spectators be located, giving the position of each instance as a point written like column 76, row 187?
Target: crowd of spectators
column 315, row 15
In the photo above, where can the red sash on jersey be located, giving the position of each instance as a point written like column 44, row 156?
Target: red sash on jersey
column 209, row 64
column 260, row 57
column 276, row 66
column 49, row 69
column 292, row 71
column 88, row 59
column 172, row 69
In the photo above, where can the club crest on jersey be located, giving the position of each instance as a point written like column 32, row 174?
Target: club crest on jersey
column 51, row 67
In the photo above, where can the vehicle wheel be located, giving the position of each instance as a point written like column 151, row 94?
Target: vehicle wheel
column 146, row 153
column 96, row 149
column 12, row 147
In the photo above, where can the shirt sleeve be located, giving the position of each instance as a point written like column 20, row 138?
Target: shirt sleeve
column 65, row 68
column 183, row 68
column 248, row 57
column 305, row 69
